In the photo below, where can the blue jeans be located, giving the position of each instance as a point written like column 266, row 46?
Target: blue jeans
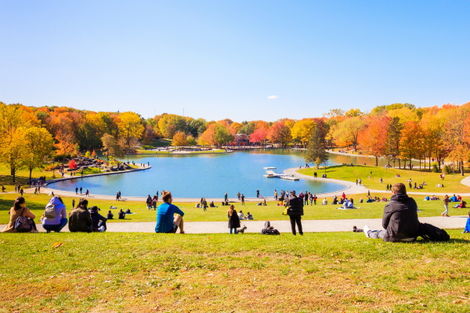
column 233, row 230
column 56, row 228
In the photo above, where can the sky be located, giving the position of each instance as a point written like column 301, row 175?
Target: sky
column 243, row 60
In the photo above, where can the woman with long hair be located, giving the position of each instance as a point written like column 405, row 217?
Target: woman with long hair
column 19, row 209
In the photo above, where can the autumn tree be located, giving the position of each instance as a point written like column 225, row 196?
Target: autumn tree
column 279, row 133
column 392, row 144
column 179, row 139
column 130, row 129
column 301, row 131
column 373, row 138
column 111, row 146
column 346, row 132
column 411, row 142
column 259, row 135
column 38, row 144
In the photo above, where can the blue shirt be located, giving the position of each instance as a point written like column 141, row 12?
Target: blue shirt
column 165, row 219
column 467, row 226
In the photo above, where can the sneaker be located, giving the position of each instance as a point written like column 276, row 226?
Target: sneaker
column 366, row 230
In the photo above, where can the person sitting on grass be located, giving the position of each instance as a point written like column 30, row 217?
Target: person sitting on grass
column 121, row 215
column 55, row 216
column 461, row 205
column 110, row 215
column 400, row 220
column 80, row 218
column 467, row 226
column 241, row 216
column 18, row 210
column 249, row 216
column 99, row 221
column 166, row 221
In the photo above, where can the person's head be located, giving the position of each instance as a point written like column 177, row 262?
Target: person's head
column 19, row 203
column 94, row 209
column 166, row 196
column 60, row 199
column 83, row 204
column 399, row 188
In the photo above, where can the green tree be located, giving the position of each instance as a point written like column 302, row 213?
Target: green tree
column 316, row 147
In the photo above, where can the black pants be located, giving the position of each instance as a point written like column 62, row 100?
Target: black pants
column 296, row 219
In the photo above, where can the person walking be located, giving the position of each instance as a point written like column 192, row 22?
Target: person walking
column 446, row 206
column 295, row 210
column 233, row 220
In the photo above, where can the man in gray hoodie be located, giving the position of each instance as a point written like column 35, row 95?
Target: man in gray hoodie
column 400, row 219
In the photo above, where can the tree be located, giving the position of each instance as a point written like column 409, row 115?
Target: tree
column 411, row 142
column 346, row 132
column 13, row 124
column 179, row 139
column 316, row 148
column 279, row 133
column 130, row 129
column 392, row 145
column 373, row 138
column 301, row 130
column 222, row 136
column 111, row 146
column 259, row 135
column 38, row 148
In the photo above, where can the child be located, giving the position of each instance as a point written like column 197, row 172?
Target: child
column 467, row 226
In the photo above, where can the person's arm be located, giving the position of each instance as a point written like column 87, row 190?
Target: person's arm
column 63, row 213
column 386, row 217
column 178, row 211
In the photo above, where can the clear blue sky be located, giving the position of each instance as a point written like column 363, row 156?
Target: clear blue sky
column 219, row 59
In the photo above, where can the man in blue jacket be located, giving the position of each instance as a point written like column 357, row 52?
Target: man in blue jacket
column 166, row 221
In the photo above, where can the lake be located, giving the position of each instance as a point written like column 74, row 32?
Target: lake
column 204, row 175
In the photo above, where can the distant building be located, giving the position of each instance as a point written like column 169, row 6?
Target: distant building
column 242, row 140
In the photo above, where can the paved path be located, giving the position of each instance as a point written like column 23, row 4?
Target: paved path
column 283, row 226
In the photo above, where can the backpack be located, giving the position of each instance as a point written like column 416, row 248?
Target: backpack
column 23, row 224
column 433, row 233
column 50, row 212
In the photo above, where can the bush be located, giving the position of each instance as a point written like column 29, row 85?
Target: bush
column 435, row 168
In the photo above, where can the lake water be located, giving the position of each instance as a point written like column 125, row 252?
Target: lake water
column 211, row 176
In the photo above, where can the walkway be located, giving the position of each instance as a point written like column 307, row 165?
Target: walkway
column 453, row 222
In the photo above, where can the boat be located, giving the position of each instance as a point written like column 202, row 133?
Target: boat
column 287, row 177
column 269, row 168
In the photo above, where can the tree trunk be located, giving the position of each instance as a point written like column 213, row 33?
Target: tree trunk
column 462, row 170
column 13, row 173
column 399, row 163
column 30, row 174
column 376, row 161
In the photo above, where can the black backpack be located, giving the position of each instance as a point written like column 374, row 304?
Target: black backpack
column 433, row 233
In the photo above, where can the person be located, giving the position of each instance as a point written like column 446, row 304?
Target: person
column 241, row 216
column 166, row 221
column 110, row 215
column 233, row 220
column 243, row 199
column 99, row 221
column 55, row 215
column 17, row 210
column 149, row 202
column 467, row 226
column 249, row 216
column 446, row 206
column 4, row 189
column 295, row 211
column 80, row 218
column 400, row 219
column 121, row 215
column 324, row 202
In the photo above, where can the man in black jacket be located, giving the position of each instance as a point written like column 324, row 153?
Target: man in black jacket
column 400, row 220
column 295, row 210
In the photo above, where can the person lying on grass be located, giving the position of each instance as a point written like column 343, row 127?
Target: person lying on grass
column 400, row 220
column 166, row 221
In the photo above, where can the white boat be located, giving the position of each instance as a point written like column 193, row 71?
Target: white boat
column 286, row 177
column 269, row 168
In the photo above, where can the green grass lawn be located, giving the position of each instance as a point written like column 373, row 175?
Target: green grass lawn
column 319, row 272
column 152, row 152
column 371, row 175
column 22, row 175
column 270, row 212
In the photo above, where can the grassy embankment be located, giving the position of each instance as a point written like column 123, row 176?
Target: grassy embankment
column 271, row 212
column 321, row 272
column 371, row 175
column 153, row 152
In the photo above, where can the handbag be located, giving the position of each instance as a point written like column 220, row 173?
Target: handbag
column 23, row 224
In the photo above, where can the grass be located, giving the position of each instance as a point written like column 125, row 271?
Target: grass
column 271, row 212
column 22, row 175
column 152, row 152
column 371, row 175
column 319, row 272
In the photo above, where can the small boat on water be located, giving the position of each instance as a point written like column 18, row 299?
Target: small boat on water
column 269, row 168
column 272, row 174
